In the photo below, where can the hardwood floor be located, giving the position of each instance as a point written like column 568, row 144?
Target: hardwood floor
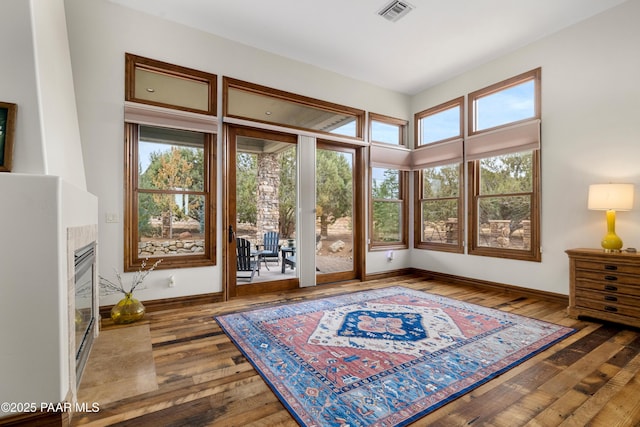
column 590, row 378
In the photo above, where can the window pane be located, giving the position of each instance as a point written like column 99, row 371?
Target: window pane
column 334, row 210
column 440, row 221
column 385, row 183
column 254, row 106
column 387, row 221
column 247, row 189
column 170, row 224
column 511, row 173
column 170, row 159
column 440, row 126
column 441, row 181
column 506, row 106
column 505, row 222
column 385, row 132
column 164, row 88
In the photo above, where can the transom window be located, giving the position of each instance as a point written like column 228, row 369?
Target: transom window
column 387, row 130
column 504, row 103
column 441, row 123
column 267, row 105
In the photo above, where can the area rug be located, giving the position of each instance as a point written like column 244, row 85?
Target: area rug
column 382, row 357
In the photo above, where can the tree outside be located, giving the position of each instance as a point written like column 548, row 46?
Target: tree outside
column 387, row 208
column 166, row 185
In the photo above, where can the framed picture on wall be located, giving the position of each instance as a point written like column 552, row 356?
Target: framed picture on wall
column 7, row 129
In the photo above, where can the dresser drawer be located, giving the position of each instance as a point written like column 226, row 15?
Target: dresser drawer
column 608, row 297
column 612, row 278
column 609, row 267
column 609, row 307
column 607, row 287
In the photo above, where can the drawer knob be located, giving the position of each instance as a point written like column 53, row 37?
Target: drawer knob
column 610, row 267
column 610, row 298
column 610, row 288
column 611, row 278
column 609, row 308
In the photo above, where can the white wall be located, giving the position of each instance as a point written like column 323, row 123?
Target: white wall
column 100, row 33
column 590, row 110
column 59, row 120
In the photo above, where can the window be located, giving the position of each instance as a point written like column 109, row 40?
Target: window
column 438, row 186
column 504, row 169
column 166, row 85
column 170, row 131
column 439, row 209
column 244, row 100
column 170, row 211
column 390, row 162
column 388, row 208
column 387, row 130
column 440, row 123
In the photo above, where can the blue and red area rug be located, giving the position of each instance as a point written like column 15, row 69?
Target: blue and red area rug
column 383, row 357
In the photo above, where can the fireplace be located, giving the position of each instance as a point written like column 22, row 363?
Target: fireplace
column 85, row 309
column 83, row 297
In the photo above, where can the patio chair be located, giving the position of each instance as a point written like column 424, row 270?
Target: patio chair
column 270, row 248
column 245, row 260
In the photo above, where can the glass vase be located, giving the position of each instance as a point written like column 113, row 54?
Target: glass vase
column 127, row 310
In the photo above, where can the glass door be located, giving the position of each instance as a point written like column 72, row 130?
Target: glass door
column 339, row 210
column 261, row 196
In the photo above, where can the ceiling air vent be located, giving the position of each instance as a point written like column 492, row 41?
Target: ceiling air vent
column 395, row 10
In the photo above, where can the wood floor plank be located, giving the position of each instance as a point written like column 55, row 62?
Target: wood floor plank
column 591, row 377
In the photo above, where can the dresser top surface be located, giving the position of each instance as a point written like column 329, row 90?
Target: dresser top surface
column 592, row 252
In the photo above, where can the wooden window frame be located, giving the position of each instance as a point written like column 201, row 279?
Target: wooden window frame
column 473, row 170
column 400, row 123
column 132, row 62
column 403, row 177
column 417, row 215
column 132, row 262
column 534, row 253
column 457, row 102
column 534, row 75
column 359, row 115
column 419, row 183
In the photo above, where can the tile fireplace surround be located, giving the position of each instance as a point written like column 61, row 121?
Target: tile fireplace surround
column 78, row 237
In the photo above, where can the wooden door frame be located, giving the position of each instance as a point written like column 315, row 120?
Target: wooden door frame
column 230, row 288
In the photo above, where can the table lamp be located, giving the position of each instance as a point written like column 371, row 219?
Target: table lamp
column 611, row 198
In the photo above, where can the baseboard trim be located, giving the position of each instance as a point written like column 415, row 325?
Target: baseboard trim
column 170, row 303
column 388, row 274
column 494, row 286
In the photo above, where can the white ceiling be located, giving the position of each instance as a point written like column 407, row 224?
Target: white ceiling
column 436, row 41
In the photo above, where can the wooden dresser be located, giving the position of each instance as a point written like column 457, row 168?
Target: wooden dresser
column 604, row 286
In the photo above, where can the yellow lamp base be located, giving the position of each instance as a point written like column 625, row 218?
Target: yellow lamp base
column 611, row 242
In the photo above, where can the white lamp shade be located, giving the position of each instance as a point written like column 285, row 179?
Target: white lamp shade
column 618, row 197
